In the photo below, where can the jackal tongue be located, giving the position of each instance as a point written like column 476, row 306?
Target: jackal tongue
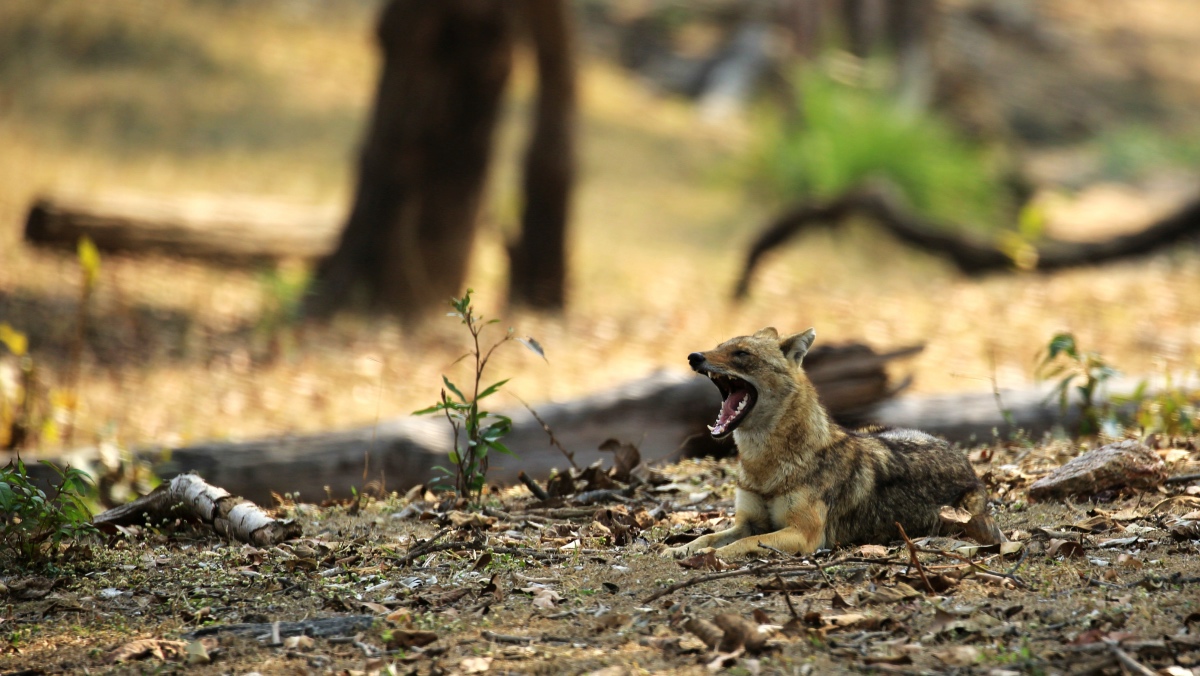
column 730, row 408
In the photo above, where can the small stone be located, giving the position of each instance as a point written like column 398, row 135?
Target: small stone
column 1125, row 463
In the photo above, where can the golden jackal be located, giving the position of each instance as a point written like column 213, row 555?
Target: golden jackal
column 805, row 482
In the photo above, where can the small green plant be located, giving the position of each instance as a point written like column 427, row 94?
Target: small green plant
column 849, row 129
column 1087, row 371
column 476, row 432
column 1172, row 410
column 282, row 289
column 32, row 525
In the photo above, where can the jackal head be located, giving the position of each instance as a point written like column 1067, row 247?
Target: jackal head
column 760, row 371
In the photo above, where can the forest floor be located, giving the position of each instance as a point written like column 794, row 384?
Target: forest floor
column 269, row 99
column 1105, row 585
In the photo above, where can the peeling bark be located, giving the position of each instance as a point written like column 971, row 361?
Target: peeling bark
column 189, row 496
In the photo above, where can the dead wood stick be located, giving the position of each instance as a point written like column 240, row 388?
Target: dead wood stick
column 1015, row 579
column 570, row 455
column 971, row 254
column 916, row 561
column 538, row 492
column 1127, row 661
column 506, row 638
column 187, row 495
column 1181, row 478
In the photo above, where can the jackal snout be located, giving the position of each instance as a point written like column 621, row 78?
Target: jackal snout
column 696, row 360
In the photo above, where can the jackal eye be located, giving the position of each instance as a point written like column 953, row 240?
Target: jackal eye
column 741, row 354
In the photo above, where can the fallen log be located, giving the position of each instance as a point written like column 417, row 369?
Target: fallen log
column 972, row 254
column 218, row 228
column 656, row 413
column 189, row 496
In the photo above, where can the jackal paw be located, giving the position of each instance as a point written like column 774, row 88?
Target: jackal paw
column 684, row 551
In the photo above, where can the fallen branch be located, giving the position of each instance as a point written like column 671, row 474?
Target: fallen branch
column 971, row 254
column 189, row 496
column 324, row 627
column 216, row 228
column 1128, row 663
column 916, row 562
column 1014, row 578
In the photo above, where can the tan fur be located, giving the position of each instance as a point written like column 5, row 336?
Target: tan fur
column 805, row 482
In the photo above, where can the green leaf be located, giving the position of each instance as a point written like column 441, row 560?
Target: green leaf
column 432, row 409
column 454, row 388
column 492, row 389
column 454, row 457
column 500, row 448
column 1062, row 343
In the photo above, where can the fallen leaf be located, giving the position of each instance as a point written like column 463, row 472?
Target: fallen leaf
column 147, row 647
column 840, row 602
column 1096, row 524
column 1067, row 548
column 706, row 561
column 482, row 562
column 404, row 639
column 543, row 597
column 852, row 621
column 609, row 621
column 1010, row 547
column 780, row 585
column 873, row 551
column 957, row 656
column 470, row 520
column 949, row 514
column 299, row 643
column 739, row 633
column 197, row 653
column 709, row 633
column 901, row 592
column 626, row 457
column 1128, row 561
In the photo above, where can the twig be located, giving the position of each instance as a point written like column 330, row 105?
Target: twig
column 420, row 548
column 762, row 568
column 1181, row 478
column 506, row 638
column 1015, row 579
column 916, row 562
column 558, row 512
column 1127, row 661
column 763, row 545
column 538, row 492
column 570, row 455
column 787, row 598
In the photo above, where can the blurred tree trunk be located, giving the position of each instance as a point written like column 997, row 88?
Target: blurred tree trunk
column 538, row 266
column 422, row 167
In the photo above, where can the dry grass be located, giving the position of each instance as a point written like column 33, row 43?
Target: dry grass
column 658, row 234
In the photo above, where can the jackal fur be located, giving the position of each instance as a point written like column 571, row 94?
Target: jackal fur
column 807, row 483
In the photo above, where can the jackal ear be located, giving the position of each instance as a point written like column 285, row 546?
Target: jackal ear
column 768, row 332
column 796, row 346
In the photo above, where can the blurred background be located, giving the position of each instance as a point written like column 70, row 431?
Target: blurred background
column 596, row 171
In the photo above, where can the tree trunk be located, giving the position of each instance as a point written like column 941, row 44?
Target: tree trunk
column 421, row 172
column 538, row 258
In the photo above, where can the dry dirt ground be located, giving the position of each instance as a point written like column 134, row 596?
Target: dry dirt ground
column 413, row 585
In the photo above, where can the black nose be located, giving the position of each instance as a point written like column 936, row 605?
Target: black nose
column 696, row 359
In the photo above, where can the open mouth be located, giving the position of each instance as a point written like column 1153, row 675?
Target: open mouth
column 738, row 398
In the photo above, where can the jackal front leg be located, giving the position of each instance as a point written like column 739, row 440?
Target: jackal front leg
column 749, row 511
